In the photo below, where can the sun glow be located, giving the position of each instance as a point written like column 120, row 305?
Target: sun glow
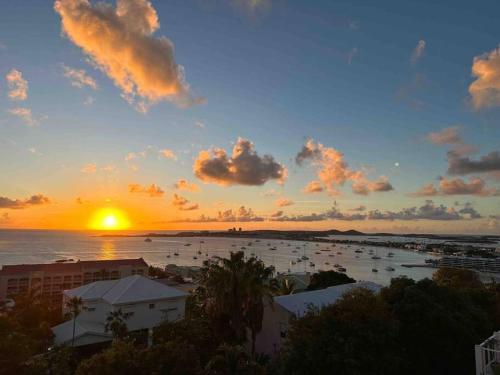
column 109, row 219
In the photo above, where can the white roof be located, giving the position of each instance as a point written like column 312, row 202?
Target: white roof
column 63, row 332
column 300, row 303
column 127, row 290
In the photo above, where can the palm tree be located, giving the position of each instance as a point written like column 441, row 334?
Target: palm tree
column 235, row 292
column 283, row 287
column 74, row 305
column 115, row 322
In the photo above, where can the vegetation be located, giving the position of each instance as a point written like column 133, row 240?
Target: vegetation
column 325, row 279
column 424, row 327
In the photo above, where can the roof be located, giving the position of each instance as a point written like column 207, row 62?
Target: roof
column 64, row 332
column 130, row 289
column 78, row 266
column 300, row 303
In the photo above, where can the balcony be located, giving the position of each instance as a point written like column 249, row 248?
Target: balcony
column 488, row 356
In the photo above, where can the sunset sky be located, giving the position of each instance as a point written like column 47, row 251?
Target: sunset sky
column 208, row 114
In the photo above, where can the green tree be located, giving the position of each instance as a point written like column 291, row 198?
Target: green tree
column 233, row 292
column 325, row 279
column 121, row 358
column 354, row 336
column 74, row 305
column 116, row 324
column 173, row 358
column 282, row 287
column 457, row 278
column 232, row 360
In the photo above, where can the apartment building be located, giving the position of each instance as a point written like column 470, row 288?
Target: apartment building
column 50, row 280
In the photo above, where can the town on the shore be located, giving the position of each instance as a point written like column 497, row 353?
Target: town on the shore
column 236, row 315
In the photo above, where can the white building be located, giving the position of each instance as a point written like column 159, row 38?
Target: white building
column 146, row 302
column 277, row 317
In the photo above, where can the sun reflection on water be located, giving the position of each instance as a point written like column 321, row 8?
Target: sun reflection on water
column 108, row 250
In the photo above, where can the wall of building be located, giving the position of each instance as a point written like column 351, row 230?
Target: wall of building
column 275, row 326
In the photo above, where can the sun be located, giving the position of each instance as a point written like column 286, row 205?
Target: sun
column 109, row 219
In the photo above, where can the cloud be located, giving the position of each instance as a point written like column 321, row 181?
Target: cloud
column 270, row 193
column 199, row 125
column 313, row 187
column 253, row 6
column 79, row 77
column 153, row 190
column 18, row 86
column 465, row 165
column 25, row 115
column 360, row 208
column 243, row 167
column 485, row 90
column 168, row 154
column 5, row 218
column 428, row 211
column 89, row 100
column 351, row 54
column 418, row 52
column 183, row 184
column 428, row 190
column 228, row 216
column 183, row 204
column 333, row 171
column 89, row 168
column 120, row 42
column 284, row 202
column 364, row 187
column 16, row 204
column 475, row 186
column 277, row 214
column 447, row 136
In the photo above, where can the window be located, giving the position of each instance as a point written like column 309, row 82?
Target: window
column 151, row 306
column 89, row 309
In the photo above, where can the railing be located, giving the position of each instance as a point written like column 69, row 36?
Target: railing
column 487, row 354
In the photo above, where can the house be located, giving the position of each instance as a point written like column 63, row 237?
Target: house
column 49, row 280
column 146, row 302
column 278, row 316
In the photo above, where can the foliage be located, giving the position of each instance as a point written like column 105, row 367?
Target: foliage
column 173, row 358
column 282, row 287
column 157, row 272
column 115, row 323
column 61, row 360
column 457, row 278
column 233, row 293
column 354, row 336
column 233, row 360
column 325, row 279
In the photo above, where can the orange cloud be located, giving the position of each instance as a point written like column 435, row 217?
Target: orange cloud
column 485, row 90
column 15, row 204
column 89, row 168
column 120, row 41
column 183, row 204
column 79, row 78
column 186, row 185
column 475, row 186
column 313, row 187
column 283, row 202
column 243, row 167
column 333, row 171
column 153, row 190
column 18, row 86
column 168, row 154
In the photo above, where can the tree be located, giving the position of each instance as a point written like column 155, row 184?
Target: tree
column 173, row 358
column 233, row 293
column 121, row 358
column 283, row 287
column 457, row 278
column 325, row 279
column 116, row 324
column 354, row 336
column 74, row 305
column 438, row 325
column 232, row 360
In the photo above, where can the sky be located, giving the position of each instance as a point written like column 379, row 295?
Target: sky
column 285, row 114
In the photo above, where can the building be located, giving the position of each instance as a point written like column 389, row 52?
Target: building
column 487, row 355
column 146, row 302
column 475, row 263
column 49, row 280
column 277, row 317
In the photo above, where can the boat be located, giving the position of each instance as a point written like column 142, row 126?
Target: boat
column 273, row 248
column 148, row 240
column 357, row 256
column 331, row 255
column 389, row 268
column 375, row 257
column 249, row 244
column 326, row 250
column 176, row 254
column 202, row 241
column 195, row 257
column 339, row 252
column 358, row 251
column 311, row 264
column 317, row 252
column 294, row 251
column 199, row 252
column 327, row 263
column 374, row 270
column 341, row 269
column 304, row 257
column 299, row 260
column 293, row 262
column 336, row 265
column 187, row 244
column 243, row 248
column 390, row 255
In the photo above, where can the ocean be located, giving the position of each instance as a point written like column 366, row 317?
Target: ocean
column 45, row 246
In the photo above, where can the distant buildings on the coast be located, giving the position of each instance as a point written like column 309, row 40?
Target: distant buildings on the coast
column 50, row 280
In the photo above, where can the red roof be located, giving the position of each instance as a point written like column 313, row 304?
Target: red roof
column 70, row 266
